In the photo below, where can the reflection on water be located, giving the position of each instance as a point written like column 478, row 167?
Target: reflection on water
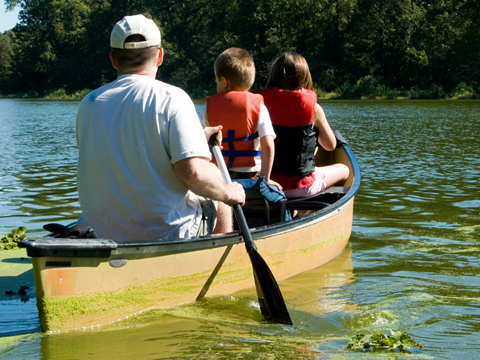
column 38, row 167
column 412, row 265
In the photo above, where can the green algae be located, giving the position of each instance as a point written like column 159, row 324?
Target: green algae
column 11, row 341
column 59, row 311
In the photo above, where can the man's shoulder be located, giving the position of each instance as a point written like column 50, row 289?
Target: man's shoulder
column 92, row 95
column 136, row 83
column 165, row 89
column 170, row 88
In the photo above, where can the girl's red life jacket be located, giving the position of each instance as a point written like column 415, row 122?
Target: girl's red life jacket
column 238, row 112
column 290, row 108
column 292, row 115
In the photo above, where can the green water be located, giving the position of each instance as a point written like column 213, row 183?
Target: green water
column 412, row 263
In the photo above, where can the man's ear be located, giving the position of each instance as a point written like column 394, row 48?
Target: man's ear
column 160, row 57
column 112, row 59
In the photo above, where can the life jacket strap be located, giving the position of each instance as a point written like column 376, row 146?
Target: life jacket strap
column 232, row 153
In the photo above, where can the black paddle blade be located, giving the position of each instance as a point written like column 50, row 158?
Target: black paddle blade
column 269, row 296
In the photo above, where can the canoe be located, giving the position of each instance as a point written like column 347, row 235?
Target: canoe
column 87, row 282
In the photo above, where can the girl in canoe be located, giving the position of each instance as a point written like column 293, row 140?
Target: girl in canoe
column 299, row 122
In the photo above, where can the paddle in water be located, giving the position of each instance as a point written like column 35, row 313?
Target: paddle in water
column 270, row 298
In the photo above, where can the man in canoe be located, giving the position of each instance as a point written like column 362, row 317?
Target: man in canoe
column 144, row 170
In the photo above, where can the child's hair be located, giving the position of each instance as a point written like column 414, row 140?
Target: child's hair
column 237, row 66
column 290, row 72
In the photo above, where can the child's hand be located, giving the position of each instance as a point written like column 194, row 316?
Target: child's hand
column 274, row 183
column 209, row 131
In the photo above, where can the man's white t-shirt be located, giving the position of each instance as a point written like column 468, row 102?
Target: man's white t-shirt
column 130, row 132
column 264, row 128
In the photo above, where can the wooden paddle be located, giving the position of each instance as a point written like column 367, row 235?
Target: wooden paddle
column 270, row 298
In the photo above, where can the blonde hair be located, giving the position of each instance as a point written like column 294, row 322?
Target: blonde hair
column 290, row 72
column 237, row 66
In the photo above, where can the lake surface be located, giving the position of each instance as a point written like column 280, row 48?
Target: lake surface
column 413, row 262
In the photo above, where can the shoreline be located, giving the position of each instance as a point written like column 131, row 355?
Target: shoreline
column 345, row 92
column 333, row 97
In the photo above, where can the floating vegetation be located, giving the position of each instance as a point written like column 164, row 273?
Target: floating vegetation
column 10, row 241
column 379, row 342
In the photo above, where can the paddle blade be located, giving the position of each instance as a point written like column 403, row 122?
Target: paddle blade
column 269, row 296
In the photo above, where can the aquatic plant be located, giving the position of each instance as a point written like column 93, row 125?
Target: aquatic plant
column 10, row 241
column 379, row 342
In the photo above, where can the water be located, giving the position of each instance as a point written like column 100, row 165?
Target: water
column 412, row 263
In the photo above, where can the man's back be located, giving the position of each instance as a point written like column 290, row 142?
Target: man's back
column 129, row 134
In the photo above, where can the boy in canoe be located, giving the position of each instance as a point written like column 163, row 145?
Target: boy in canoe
column 143, row 156
column 247, row 128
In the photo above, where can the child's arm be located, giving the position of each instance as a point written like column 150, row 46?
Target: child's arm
column 268, row 153
column 208, row 130
column 267, row 145
column 326, row 137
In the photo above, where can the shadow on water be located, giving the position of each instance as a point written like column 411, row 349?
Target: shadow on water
column 18, row 309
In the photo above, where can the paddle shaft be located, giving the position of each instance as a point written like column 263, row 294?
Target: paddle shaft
column 269, row 296
column 237, row 209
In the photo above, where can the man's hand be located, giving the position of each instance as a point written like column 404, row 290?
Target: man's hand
column 210, row 130
column 236, row 194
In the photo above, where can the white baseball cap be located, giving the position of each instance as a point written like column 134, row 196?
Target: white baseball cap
column 134, row 25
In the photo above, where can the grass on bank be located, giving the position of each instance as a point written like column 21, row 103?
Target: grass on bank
column 366, row 88
column 59, row 94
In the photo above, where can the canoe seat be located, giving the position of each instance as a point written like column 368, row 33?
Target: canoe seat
column 269, row 206
column 318, row 201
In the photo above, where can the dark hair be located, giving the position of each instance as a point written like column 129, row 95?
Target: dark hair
column 237, row 66
column 135, row 58
column 290, row 72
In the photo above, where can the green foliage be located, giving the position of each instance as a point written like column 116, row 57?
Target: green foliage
column 379, row 342
column 63, row 94
column 462, row 91
column 10, row 241
column 359, row 49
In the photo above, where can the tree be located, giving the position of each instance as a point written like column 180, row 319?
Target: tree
column 6, row 59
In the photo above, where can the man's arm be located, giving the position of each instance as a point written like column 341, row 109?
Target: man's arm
column 203, row 178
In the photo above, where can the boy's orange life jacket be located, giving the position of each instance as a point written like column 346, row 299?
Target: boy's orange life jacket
column 292, row 116
column 238, row 112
